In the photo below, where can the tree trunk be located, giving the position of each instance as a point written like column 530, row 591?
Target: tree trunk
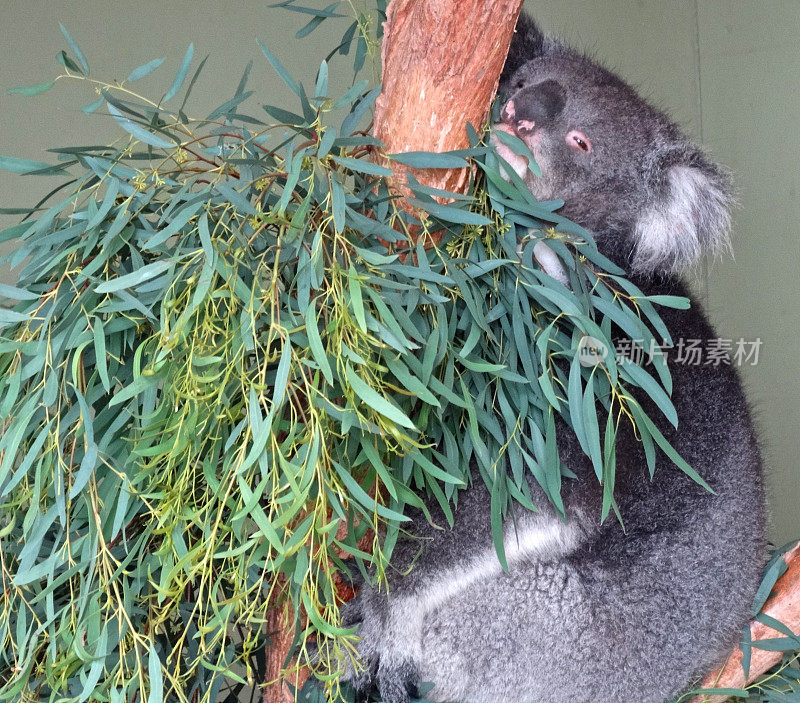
column 442, row 61
column 279, row 630
column 784, row 606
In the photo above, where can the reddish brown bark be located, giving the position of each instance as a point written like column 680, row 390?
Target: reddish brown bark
column 280, row 635
column 442, row 61
column 784, row 606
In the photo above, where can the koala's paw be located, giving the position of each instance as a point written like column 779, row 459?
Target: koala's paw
column 397, row 680
column 378, row 662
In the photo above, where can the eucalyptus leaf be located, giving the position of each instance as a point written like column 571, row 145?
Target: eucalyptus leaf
column 144, row 70
column 30, row 90
column 180, row 76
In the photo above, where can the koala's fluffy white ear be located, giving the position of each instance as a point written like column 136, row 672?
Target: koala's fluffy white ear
column 688, row 213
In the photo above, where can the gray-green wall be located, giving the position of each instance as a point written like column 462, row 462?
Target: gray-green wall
column 727, row 70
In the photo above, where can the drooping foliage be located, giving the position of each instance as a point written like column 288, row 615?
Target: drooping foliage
column 229, row 363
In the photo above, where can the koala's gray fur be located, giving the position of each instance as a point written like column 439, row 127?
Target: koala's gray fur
column 589, row 612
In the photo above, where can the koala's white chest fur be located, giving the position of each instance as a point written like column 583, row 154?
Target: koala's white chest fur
column 535, row 539
column 540, row 540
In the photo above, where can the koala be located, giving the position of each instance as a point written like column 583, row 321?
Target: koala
column 591, row 611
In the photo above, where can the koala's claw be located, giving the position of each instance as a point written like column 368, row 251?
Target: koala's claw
column 362, row 683
column 376, row 662
column 397, row 681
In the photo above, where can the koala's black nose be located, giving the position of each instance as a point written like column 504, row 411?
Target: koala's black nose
column 535, row 104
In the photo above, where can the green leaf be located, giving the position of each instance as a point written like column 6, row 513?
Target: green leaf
column 518, row 147
column 65, row 60
column 29, row 90
column 356, row 300
column 376, row 401
column 354, row 91
column 648, row 384
column 775, row 569
column 451, row 213
column 133, row 390
column 229, row 106
column 496, row 520
column 15, row 293
column 319, row 623
column 338, row 204
column 592, row 428
column 670, row 301
column 425, row 159
column 105, row 206
column 315, row 342
column 92, row 107
column 575, row 399
column 730, row 692
column 156, row 694
column 411, row 382
column 673, row 455
column 374, row 458
column 347, row 39
column 480, row 366
column 326, row 142
column 144, row 70
column 362, row 166
column 364, row 498
column 372, row 257
column 284, row 116
column 181, row 75
column 321, row 88
column 324, row 13
column 352, row 120
column 75, row 50
column 430, row 468
column 309, row 27
column 100, row 353
column 282, row 376
column 138, row 132
column 280, row 70
column 9, row 163
column 130, row 280
column 8, row 317
column 192, row 82
column 361, row 53
column 179, row 221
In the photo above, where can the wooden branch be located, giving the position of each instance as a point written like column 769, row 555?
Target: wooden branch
column 784, row 606
column 442, row 61
column 280, row 635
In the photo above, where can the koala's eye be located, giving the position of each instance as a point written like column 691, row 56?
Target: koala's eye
column 520, row 85
column 578, row 141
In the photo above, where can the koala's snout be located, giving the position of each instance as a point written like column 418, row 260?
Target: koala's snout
column 509, row 120
column 534, row 105
column 508, row 117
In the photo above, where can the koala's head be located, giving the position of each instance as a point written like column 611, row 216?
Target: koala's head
column 652, row 198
